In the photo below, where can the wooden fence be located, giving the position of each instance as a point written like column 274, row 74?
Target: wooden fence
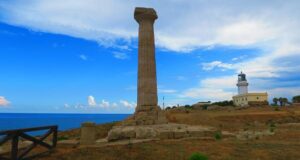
column 16, row 153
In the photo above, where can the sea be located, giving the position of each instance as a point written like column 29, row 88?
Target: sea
column 10, row 121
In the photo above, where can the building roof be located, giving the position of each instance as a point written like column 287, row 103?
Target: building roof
column 252, row 94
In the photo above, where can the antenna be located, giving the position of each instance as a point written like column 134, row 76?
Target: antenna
column 163, row 102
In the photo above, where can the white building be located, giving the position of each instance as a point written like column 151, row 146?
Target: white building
column 244, row 98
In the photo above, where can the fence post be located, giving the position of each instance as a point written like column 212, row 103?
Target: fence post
column 14, row 147
column 54, row 140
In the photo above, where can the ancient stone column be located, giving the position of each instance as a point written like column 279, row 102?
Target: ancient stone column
column 147, row 87
column 147, row 110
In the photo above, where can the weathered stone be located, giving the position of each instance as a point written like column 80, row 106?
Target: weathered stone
column 68, row 143
column 88, row 133
column 145, row 133
column 119, row 133
column 180, row 134
column 196, row 133
column 159, row 131
column 209, row 133
column 166, row 134
column 147, row 111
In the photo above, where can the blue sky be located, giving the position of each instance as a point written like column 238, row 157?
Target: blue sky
column 81, row 56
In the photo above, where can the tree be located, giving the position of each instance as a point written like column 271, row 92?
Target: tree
column 296, row 99
column 223, row 103
column 275, row 100
column 280, row 101
column 285, row 101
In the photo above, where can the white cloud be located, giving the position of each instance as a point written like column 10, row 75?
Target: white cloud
column 197, row 24
column 67, row 105
column 216, row 64
column 223, row 88
column 127, row 104
column 226, row 82
column 284, row 92
column 235, row 59
column 120, row 55
column 4, row 101
column 245, row 32
column 91, row 101
column 79, row 106
column 213, row 89
column 104, row 104
column 270, row 26
column 83, row 57
column 208, row 94
column 167, row 91
column 239, row 58
column 114, row 105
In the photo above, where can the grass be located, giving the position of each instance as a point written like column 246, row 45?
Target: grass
column 283, row 145
column 61, row 138
column 218, row 135
column 198, row 156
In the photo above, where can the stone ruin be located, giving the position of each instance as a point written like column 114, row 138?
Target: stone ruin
column 149, row 121
column 147, row 111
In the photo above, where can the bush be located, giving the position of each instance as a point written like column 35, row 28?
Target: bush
column 61, row 138
column 276, row 108
column 188, row 107
column 204, row 107
column 296, row 99
column 218, row 135
column 223, row 103
column 272, row 127
column 198, row 156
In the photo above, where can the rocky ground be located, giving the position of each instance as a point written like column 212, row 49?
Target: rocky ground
column 260, row 133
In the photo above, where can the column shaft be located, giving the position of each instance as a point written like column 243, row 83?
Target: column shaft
column 147, row 84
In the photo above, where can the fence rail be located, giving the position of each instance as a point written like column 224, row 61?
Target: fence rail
column 13, row 136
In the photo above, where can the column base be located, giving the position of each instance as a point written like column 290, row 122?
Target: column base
column 148, row 117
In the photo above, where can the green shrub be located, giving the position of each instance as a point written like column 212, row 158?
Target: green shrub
column 198, row 156
column 218, row 135
column 223, row 103
column 296, row 99
column 204, row 107
column 61, row 138
column 272, row 127
column 276, row 108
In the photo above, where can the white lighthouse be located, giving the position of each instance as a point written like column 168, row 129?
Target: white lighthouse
column 243, row 98
column 242, row 84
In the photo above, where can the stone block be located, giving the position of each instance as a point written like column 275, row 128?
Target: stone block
column 196, row 133
column 180, row 134
column 209, row 133
column 88, row 133
column 166, row 135
column 145, row 133
column 119, row 133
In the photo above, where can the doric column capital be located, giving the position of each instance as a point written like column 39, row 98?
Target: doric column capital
column 144, row 14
